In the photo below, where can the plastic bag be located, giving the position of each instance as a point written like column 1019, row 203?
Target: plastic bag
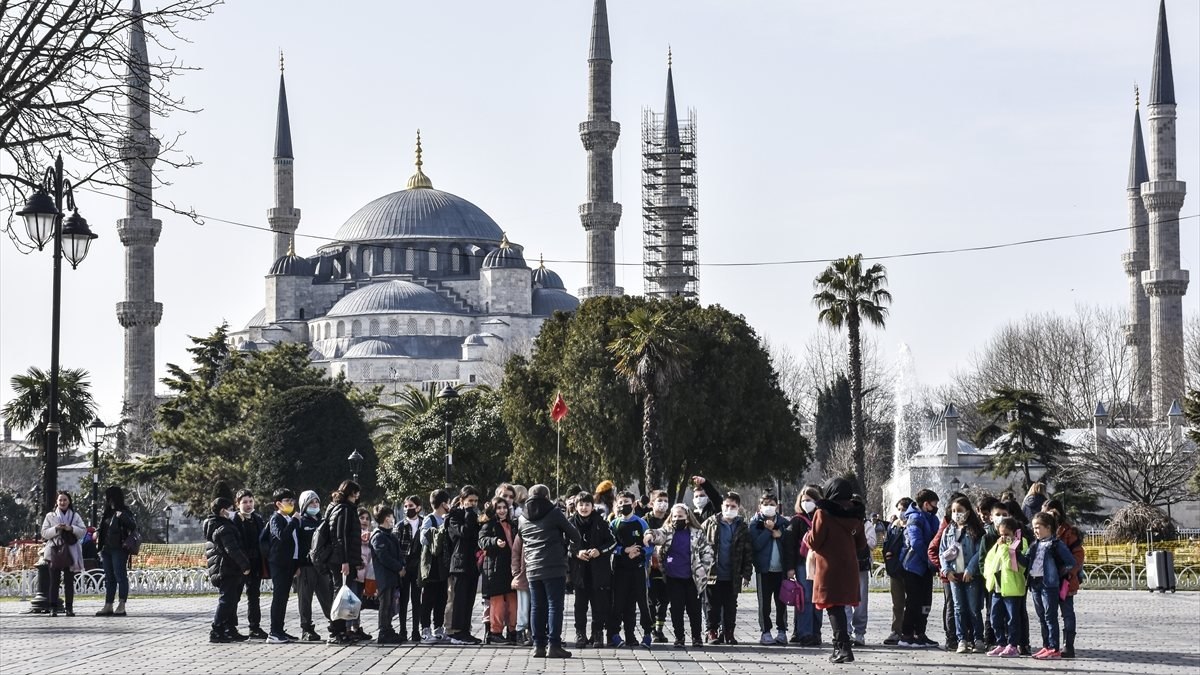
column 346, row 605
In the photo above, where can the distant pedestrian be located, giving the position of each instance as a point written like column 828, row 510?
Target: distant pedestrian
column 1034, row 499
column 729, row 537
column 62, row 530
column 590, row 568
column 435, row 570
column 767, row 529
column 116, row 526
column 1069, row 535
column 807, row 623
column 920, row 526
column 408, row 533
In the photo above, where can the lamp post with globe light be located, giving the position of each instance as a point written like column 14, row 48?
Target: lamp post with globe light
column 95, row 433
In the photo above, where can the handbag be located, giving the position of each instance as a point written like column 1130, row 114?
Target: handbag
column 133, row 543
column 791, row 593
column 60, row 556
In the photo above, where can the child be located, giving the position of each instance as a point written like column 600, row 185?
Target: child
column 920, row 528
column 1004, row 573
column 250, row 528
column 1050, row 561
column 365, row 573
column 388, row 562
column 960, row 553
column 1007, row 508
column 1069, row 536
column 434, row 572
column 629, row 572
column 807, row 625
column 496, row 535
column 282, row 555
column 729, row 537
column 407, row 532
column 893, row 544
column 227, row 567
column 935, row 546
column 686, row 557
column 590, row 571
column 766, row 531
column 310, row 581
column 660, row 507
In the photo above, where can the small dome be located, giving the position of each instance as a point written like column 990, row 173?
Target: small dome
column 546, row 278
column 389, row 297
column 248, row 347
column 474, row 340
column 291, row 266
column 369, row 348
column 547, row 301
column 507, row 256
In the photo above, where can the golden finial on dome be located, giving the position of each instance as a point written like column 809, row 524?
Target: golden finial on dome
column 419, row 179
column 668, row 56
column 504, row 241
column 291, row 246
column 541, row 262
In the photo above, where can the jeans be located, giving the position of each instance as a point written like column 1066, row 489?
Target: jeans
column 918, row 597
column 546, row 609
column 311, row 581
column 522, row 609
column 808, row 620
column 1067, row 607
column 722, row 607
column 281, row 582
column 253, row 586
column 767, row 587
column 433, row 604
column 684, row 595
column 230, row 589
column 968, row 609
column 1006, row 619
column 116, row 574
column 1045, row 603
column 858, row 614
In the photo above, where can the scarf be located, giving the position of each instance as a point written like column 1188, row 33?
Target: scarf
column 76, row 550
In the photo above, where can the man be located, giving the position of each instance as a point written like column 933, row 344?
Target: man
column 893, row 547
column 630, row 560
column 729, row 537
column 435, row 572
column 920, row 526
column 767, row 528
column 591, row 571
column 250, row 527
column 546, row 537
column 310, row 580
column 407, row 532
column 281, row 559
column 660, row 508
column 462, row 524
column 706, row 499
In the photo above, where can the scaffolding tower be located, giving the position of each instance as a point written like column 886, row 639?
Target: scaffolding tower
column 670, row 208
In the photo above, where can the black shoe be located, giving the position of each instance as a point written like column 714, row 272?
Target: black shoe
column 339, row 639
column 70, row 612
column 557, row 652
column 1024, row 650
column 219, row 637
column 581, row 642
column 390, row 639
column 235, row 636
column 697, row 642
column 842, row 654
column 679, row 643
column 659, row 637
column 795, row 639
column 858, row 642
column 358, row 634
column 257, row 633
column 731, row 640
column 1068, row 652
column 289, row 636
column 525, row 638
column 310, row 636
column 539, row 652
column 810, row 641
column 493, row 639
column 416, row 636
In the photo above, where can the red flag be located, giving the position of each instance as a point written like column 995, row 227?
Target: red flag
column 559, row 410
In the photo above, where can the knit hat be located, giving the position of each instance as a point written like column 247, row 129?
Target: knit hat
column 306, row 497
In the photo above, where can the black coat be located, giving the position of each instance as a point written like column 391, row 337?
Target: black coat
column 497, row 563
column 114, row 530
column 249, row 530
column 223, row 552
column 386, row 558
column 284, row 539
column 345, row 535
column 594, row 532
column 305, row 533
column 463, row 527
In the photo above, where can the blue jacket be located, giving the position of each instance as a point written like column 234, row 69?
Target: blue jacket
column 628, row 531
column 387, row 558
column 283, row 544
column 1058, row 563
column 969, row 549
column 763, row 541
column 919, row 530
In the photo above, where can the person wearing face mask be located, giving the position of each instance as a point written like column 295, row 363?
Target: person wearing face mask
column 961, row 553
column 435, row 571
column 227, row 566
column 935, row 563
column 767, row 529
column 893, row 545
column 390, row 570
column 920, row 527
column 309, row 580
column 406, row 532
column 984, row 509
column 345, row 557
column 630, row 560
column 807, row 623
column 706, row 499
column 281, row 558
column 590, row 571
column 729, row 537
column 834, row 541
column 251, row 526
column 655, row 518
column 462, row 525
column 686, row 558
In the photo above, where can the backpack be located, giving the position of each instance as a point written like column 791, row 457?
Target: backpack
column 893, row 548
column 435, row 558
column 322, row 545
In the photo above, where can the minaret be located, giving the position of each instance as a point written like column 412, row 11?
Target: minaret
column 1163, row 196
column 284, row 217
column 139, row 229
column 600, row 215
column 1136, row 261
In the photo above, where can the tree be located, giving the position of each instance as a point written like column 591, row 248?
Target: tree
column 302, row 438
column 651, row 357
column 65, row 72
column 1023, row 433
column 411, row 404
column 16, row 518
column 413, row 461
column 30, row 407
column 833, row 421
column 1143, row 464
column 846, row 295
column 1191, row 412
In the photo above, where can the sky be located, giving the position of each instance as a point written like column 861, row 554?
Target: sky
column 825, row 129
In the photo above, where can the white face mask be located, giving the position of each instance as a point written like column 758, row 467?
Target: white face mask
column 701, row 501
column 516, row 512
column 729, row 514
column 808, row 505
column 996, row 520
column 959, row 517
column 660, row 507
column 768, row 511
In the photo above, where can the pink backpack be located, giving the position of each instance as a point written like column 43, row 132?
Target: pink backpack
column 791, row 593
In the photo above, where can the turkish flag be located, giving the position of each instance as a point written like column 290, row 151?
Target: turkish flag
column 559, row 410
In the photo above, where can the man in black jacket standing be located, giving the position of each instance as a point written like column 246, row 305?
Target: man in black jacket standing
column 546, row 537
column 250, row 527
column 462, row 525
column 227, row 567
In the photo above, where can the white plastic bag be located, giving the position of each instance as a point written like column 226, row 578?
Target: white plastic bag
column 346, row 605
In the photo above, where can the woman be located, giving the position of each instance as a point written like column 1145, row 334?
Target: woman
column 496, row 535
column 62, row 530
column 834, row 541
column 807, row 623
column 1034, row 499
column 345, row 557
column 116, row 525
column 686, row 557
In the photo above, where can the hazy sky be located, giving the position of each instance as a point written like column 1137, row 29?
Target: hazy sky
column 825, row 128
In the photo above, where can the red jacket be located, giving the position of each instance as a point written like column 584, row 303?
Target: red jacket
column 1070, row 536
column 935, row 545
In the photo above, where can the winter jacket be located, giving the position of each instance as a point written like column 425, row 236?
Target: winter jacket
column 893, row 549
column 305, row 532
column 249, row 530
column 713, row 507
column 764, row 542
column 919, row 530
column 1074, row 542
column 702, row 556
column 284, row 550
column 1031, row 505
column 519, row 580
column 933, row 550
column 345, row 536
column 114, row 530
column 629, row 531
column 594, row 533
column 1058, row 563
column 463, row 527
column 794, row 549
column 547, row 535
column 497, row 561
column 388, row 559
column 434, row 568
column 1004, row 568
column 51, row 535
column 223, row 550
column 741, row 553
column 410, row 543
column 970, row 551
column 834, row 541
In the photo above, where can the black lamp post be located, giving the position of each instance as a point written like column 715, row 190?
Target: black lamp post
column 355, row 460
column 43, row 216
column 448, row 394
column 167, row 531
column 95, row 432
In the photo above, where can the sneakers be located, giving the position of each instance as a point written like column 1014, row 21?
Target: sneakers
column 1048, row 655
column 1010, row 651
column 339, row 639
column 464, row 639
column 908, row 641
column 581, row 642
column 926, row 642
column 963, row 648
column 997, row 650
column 235, row 636
column 274, row 639
column 390, row 639
column 647, row 640
column 1038, row 654
column 310, row 636
column 892, row 640
column 859, row 641
column 659, row 637
column 218, row 637
column 810, row 641
column 539, row 652
column 428, row 638
column 615, row 641
column 766, row 639
column 781, row 637
column 257, row 633
column 713, row 638
column 980, row 646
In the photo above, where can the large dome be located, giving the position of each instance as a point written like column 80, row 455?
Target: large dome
column 420, row 213
column 388, row 297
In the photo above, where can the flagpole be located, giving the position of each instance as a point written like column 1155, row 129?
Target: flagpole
column 558, row 463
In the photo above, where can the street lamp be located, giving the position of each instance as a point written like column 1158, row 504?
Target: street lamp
column 167, row 532
column 95, row 433
column 355, row 460
column 445, row 395
column 43, row 215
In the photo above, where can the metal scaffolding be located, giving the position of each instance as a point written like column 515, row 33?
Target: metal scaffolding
column 670, row 208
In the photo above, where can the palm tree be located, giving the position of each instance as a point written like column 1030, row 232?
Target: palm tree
column 1024, row 433
column 76, row 408
column 651, row 356
column 410, row 404
column 847, row 294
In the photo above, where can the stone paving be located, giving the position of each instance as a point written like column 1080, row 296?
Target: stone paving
column 1119, row 632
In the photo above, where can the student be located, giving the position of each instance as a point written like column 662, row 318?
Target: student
column 462, row 525
column 686, row 558
column 366, row 573
column 1070, row 536
column 936, row 564
column 63, row 528
column 116, row 525
column 706, row 499
column 961, row 554
column 857, row 614
column 767, row 528
column 520, row 584
column 1004, row 571
column 605, row 499
column 807, row 624
column 250, row 528
column 1009, row 508
column 590, row 571
column 656, row 517
column 893, row 545
column 227, row 567
column 282, row 557
column 729, row 537
column 984, row 508
column 407, row 533
column 630, row 560
column 920, row 526
column 496, row 534
column 1034, row 499
column 345, row 553
column 309, row 580
column 435, row 571
column 1050, row 561
column 834, row 541
column 388, row 558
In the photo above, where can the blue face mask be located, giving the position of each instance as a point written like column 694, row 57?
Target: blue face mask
column 313, row 510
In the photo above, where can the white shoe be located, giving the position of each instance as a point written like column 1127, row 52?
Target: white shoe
column 427, row 637
column 963, row 648
column 766, row 639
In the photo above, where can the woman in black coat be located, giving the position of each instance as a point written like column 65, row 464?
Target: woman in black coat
column 345, row 537
column 496, row 535
column 116, row 525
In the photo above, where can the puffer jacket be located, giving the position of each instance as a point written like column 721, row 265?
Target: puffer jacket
column 223, row 550
column 1068, row 535
column 741, row 553
column 919, row 530
column 593, row 533
column 388, row 558
column 702, row 556
column 345, row 536
column 546, row 536
column 496, row 569
column 764, row 542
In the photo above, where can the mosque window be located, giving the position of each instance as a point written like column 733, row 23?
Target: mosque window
column 341, row 329
column 356, row 328
column 374, row 327
column 436, row 372
column 412, row 327
column 458, row 327
column 429, row 326
column 394, row 327
column 387, row 260
column 410, row 259
column 445, row 326
column 301, row 313
column 471, row 379
column 455, row 260
column 366, row 261
column 328, row 331
column 433, row 256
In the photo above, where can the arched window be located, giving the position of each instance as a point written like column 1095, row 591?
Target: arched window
column 356, row 328
column 429, row 326
column 387, row 260
column 328, row 330
column 341, row 329
column 373, row 327
column 435, row 372
column 458, row 328
column 366, row 261
column 301, row 313
column 394, row 327
column 410, row 259
column 445, row 326
column 455, row 260
column 433, row 256
column 412, row 327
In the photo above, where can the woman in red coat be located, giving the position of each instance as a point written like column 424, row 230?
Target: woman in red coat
column 834, row 541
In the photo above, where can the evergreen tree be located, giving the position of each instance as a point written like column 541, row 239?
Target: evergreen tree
column 1024, row 433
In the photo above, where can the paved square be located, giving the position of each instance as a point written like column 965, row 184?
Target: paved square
column 1119, row 632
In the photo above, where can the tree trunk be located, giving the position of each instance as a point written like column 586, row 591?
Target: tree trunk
column 858, row 426
column 651, row 440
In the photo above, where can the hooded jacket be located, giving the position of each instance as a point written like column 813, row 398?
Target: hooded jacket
column 345, row 535
column 462, row 525
column 307, row 528
column 741, row 550
column 546, row 535
column 834, row 541
column 919, row 530
column 595, row 533
column 223, row 552
column 702, row 556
